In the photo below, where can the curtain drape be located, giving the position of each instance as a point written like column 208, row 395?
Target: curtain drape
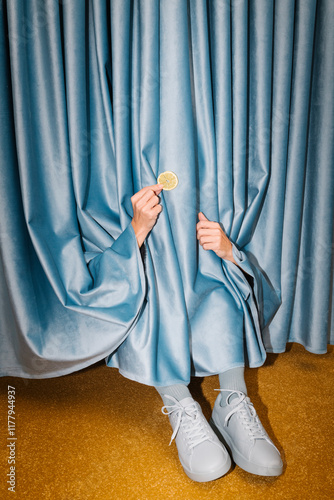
column 96, row 99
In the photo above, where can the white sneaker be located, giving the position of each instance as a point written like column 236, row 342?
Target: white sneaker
column 201, row 454
column 239, row 427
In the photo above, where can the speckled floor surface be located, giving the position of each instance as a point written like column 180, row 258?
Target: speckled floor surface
column 96, row 435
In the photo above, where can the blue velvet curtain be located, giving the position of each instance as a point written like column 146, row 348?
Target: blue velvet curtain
column 96, row 99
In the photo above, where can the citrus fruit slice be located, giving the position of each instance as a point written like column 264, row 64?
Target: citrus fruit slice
column 169, row 180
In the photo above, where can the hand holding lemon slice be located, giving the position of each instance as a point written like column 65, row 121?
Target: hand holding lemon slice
column 169, row 180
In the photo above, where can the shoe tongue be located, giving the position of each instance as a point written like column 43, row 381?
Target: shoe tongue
column 232, row 398
column 186, row 401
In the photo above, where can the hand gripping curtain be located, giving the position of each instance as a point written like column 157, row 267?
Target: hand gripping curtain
column 97, row 98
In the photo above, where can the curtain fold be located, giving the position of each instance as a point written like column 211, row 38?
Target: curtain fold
column 98, row 98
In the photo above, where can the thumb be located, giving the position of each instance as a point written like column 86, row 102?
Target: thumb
column 158, row 188
column 201, row 216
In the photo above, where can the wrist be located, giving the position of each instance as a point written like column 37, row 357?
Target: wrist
column 227, row 255
column 231, row 258
column 139, row 233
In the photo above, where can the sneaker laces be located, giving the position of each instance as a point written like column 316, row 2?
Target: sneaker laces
column 247, row 412
column 189, row 417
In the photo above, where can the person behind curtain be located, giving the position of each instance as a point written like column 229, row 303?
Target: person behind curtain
column 235, row 429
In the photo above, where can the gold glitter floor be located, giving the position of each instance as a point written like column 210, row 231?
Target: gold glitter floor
column 96, row 435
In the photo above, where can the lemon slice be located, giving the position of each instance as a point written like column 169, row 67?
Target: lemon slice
column 169, row 180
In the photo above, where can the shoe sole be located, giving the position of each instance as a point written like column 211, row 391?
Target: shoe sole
column 208, row 476
column 240, row 460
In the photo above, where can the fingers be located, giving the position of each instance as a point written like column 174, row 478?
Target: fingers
column 209, row 246
column 211, row 236
column 152, row 202
column 206, row 223
column 156, row 211
column 205, row 238
column 148, row 200
column 158, row 188
column 145, row 199
column 208, row 236
column 148, row 190
column 208, row 232
column 154, row 187
column 208, row 241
